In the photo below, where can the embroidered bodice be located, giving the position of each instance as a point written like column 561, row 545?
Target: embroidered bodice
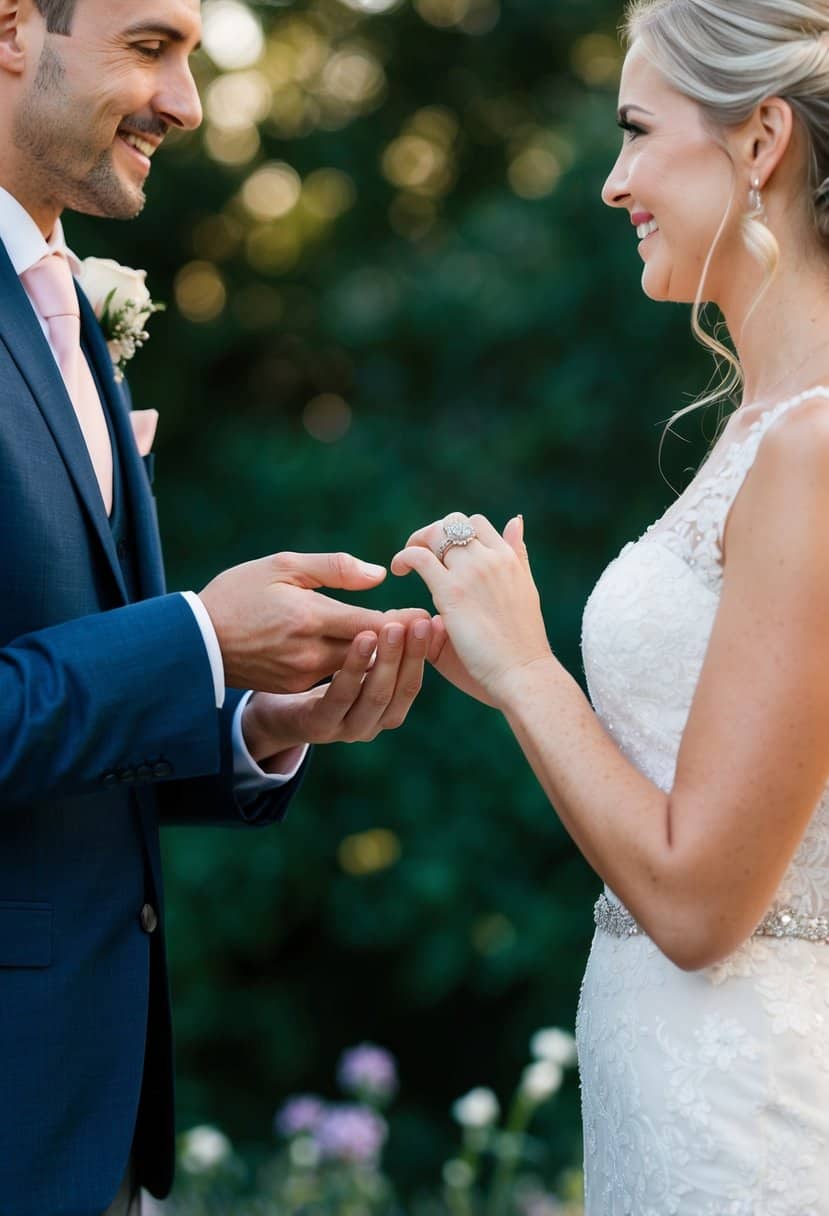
column 646, row 629
column 703, row 1093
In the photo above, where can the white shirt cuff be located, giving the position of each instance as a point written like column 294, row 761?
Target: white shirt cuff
column 249, row 778
column 211, row 644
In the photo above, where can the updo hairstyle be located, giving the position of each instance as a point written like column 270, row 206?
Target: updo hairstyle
column 729, row 56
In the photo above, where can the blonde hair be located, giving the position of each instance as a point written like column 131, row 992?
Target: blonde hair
column 729, row 56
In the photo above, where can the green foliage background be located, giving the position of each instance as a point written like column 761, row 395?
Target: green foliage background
column 497, row 354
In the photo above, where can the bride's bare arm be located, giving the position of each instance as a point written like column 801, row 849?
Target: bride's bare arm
column 699, row 866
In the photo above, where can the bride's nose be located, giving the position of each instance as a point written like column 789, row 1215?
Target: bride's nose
column 614, row 191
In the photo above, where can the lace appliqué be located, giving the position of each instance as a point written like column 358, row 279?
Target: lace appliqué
column 707, row 1093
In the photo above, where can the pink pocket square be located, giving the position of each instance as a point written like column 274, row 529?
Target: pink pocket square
column 144, row 423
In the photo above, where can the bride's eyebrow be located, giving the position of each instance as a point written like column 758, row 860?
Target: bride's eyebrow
column 625, row 110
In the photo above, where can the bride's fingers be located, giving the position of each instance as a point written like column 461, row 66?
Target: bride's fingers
column 485, row 532
column 421, row 561
column 434, row 534
column 514, row 536
column 422, row 535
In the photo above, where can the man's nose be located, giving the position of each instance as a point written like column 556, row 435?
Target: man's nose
column 178, row 102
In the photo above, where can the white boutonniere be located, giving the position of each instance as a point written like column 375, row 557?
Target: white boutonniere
column 122, row 304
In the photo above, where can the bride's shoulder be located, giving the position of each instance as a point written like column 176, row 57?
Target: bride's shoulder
column 789, row 476
column 798, row 436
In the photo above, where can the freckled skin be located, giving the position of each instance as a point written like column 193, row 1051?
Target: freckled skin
column 64, row 108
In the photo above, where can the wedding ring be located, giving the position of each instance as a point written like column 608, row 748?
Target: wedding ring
column 458, row 534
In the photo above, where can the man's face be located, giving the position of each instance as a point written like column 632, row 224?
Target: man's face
column 99, row 101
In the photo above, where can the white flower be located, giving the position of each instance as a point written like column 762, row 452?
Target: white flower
column 541, row 1080
column 203, row 1148
column 304, row 1152
column 111, row 286
column 123, row 305
column 555, row 1045
column 478, row 1108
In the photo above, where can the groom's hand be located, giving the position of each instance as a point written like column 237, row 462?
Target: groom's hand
column 372, row 692
column 277, row 633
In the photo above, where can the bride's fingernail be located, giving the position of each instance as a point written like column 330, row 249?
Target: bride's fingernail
column 422, row 629
column 367, row 647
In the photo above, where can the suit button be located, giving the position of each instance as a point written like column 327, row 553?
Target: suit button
column 143, row 773
column 162, row 769
column 126, row 775
column 123, row 549
column 148, row 918
column 110, row 780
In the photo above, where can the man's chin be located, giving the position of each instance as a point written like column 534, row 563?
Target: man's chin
column 109, row 205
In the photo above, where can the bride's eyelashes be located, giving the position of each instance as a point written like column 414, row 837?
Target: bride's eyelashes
column 631, row 129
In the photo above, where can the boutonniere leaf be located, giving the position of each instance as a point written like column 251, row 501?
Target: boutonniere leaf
column 122, row 303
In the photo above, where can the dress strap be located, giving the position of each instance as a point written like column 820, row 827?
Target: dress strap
column 770, row 415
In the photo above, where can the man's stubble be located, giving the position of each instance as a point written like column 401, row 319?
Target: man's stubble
column 51, row 131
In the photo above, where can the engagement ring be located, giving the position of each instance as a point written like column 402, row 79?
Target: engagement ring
column 458, row 534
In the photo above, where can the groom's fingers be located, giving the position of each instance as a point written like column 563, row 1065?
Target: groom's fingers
column 345, row 688
column 340, row 622
column 438, row 640
column 342, row 571
column 392, row 684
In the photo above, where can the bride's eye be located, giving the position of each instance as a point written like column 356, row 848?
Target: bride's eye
column 631, row 129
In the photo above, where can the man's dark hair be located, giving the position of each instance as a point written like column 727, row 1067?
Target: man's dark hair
column 58, row 14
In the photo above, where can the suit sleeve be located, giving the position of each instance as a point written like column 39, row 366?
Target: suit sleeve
column 116, row 697
column 215, row 800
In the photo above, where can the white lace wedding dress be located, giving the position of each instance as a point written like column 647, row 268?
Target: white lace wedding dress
column 704, row 1093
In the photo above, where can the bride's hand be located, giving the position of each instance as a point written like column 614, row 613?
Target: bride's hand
column 487, row 600
column 444, row 658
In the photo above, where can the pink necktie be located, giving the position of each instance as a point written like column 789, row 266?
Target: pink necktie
column 49, row 283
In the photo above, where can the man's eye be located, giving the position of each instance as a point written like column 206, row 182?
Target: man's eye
column 150, row 50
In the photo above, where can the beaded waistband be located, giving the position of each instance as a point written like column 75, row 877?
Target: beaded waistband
column 615, row 919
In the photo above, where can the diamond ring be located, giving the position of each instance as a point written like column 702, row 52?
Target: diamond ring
column 458, row 535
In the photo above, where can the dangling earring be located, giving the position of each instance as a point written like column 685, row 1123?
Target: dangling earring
column 755, row 201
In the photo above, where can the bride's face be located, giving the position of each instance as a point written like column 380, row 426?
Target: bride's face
column 674, row 178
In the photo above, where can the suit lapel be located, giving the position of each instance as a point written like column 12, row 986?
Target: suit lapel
column 139, row 511
column 134, row 480
column 21, row 331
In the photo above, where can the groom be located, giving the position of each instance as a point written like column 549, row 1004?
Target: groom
column 117, row 709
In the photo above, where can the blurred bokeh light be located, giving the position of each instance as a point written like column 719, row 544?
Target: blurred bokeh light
column 231, row 33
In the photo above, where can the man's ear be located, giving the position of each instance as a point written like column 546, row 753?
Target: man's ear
column 13, row 17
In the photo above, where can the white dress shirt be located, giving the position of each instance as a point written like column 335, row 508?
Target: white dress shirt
column 26, row 245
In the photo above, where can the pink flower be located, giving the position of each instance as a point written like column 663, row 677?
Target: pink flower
column 299, row 1114
column 368, row 1071
column 351, row 1133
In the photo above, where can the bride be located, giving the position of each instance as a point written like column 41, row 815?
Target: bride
column 696, row 784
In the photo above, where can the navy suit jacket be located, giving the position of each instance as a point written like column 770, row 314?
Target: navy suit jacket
column 108, row 727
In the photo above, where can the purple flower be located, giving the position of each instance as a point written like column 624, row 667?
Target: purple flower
column 351, row 1133
column 368, row 1071
column 302, row 1113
